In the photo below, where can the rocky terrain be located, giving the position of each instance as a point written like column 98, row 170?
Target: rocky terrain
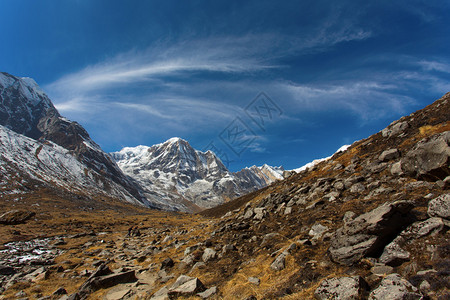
column 371, row 222
column 175, row 176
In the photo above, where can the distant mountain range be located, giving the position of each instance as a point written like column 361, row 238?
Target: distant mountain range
column 175, row 175
column 38, row 144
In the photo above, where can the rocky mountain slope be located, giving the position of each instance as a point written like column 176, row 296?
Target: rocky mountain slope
column 26, row 110
column 178, row 177
column 369, row 223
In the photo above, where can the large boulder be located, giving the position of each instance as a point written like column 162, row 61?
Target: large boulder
column 367, row 234
column 343, row 288
column 394, row 254
column 429, row 158
column 188, row 288
column 394, row 287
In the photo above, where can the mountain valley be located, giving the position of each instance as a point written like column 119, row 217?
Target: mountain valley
column 370, row 222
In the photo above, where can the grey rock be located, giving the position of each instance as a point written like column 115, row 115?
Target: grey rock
column 208, row 293
column 288, row 210
column 260, row 213
column 343, row 288
column 357, row 188
column 249, row 213
column 254, row 280
column 332, row 196
column 394, row 129
column 279, row 263
column 429, row 158
column 182, row 279
column 208, row 254
column 394, row 287
column 349, row 216
column 317, row 230
column 393, row 254
column 440, row 207
column 339, row 185
column 389, row 154
column 188, row 288
column 369, row 233
column 161, row 294
column 376, row 167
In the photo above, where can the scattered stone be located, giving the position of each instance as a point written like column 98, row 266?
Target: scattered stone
column 288, row 211
column 208, row 293
column 254, row 280
column 249, row 213
column 189, row 288
column 343, row 288
column 96, row 281
column 357, row 188
column 208, row 254
column 14, row 217
column 389, row 154
column 369, row 233
column 394, row 287
column 317, row 230
column 279, row 263
column 440, row 207
column 260, row 212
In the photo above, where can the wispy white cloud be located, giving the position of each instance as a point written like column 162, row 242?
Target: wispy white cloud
column 367, row 99
column 430, row 65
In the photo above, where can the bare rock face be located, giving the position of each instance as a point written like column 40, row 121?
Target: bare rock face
column 345, row 288
column 367, row 234
column 429, row 158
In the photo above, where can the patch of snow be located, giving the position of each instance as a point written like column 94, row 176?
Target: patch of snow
column 316, row 161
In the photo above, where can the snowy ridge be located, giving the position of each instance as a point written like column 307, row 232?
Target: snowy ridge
column 52, row 164
column 176, row 174
column 316, row 161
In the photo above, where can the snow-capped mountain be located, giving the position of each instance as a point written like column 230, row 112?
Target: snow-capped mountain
column 26, row 110
column 23, row 158
column 42, row 146
column 175, row 174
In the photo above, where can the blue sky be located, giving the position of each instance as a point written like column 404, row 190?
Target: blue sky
column 270, row 82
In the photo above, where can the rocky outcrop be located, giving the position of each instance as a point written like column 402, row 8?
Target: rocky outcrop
column 429, row 158
column 367, row 234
